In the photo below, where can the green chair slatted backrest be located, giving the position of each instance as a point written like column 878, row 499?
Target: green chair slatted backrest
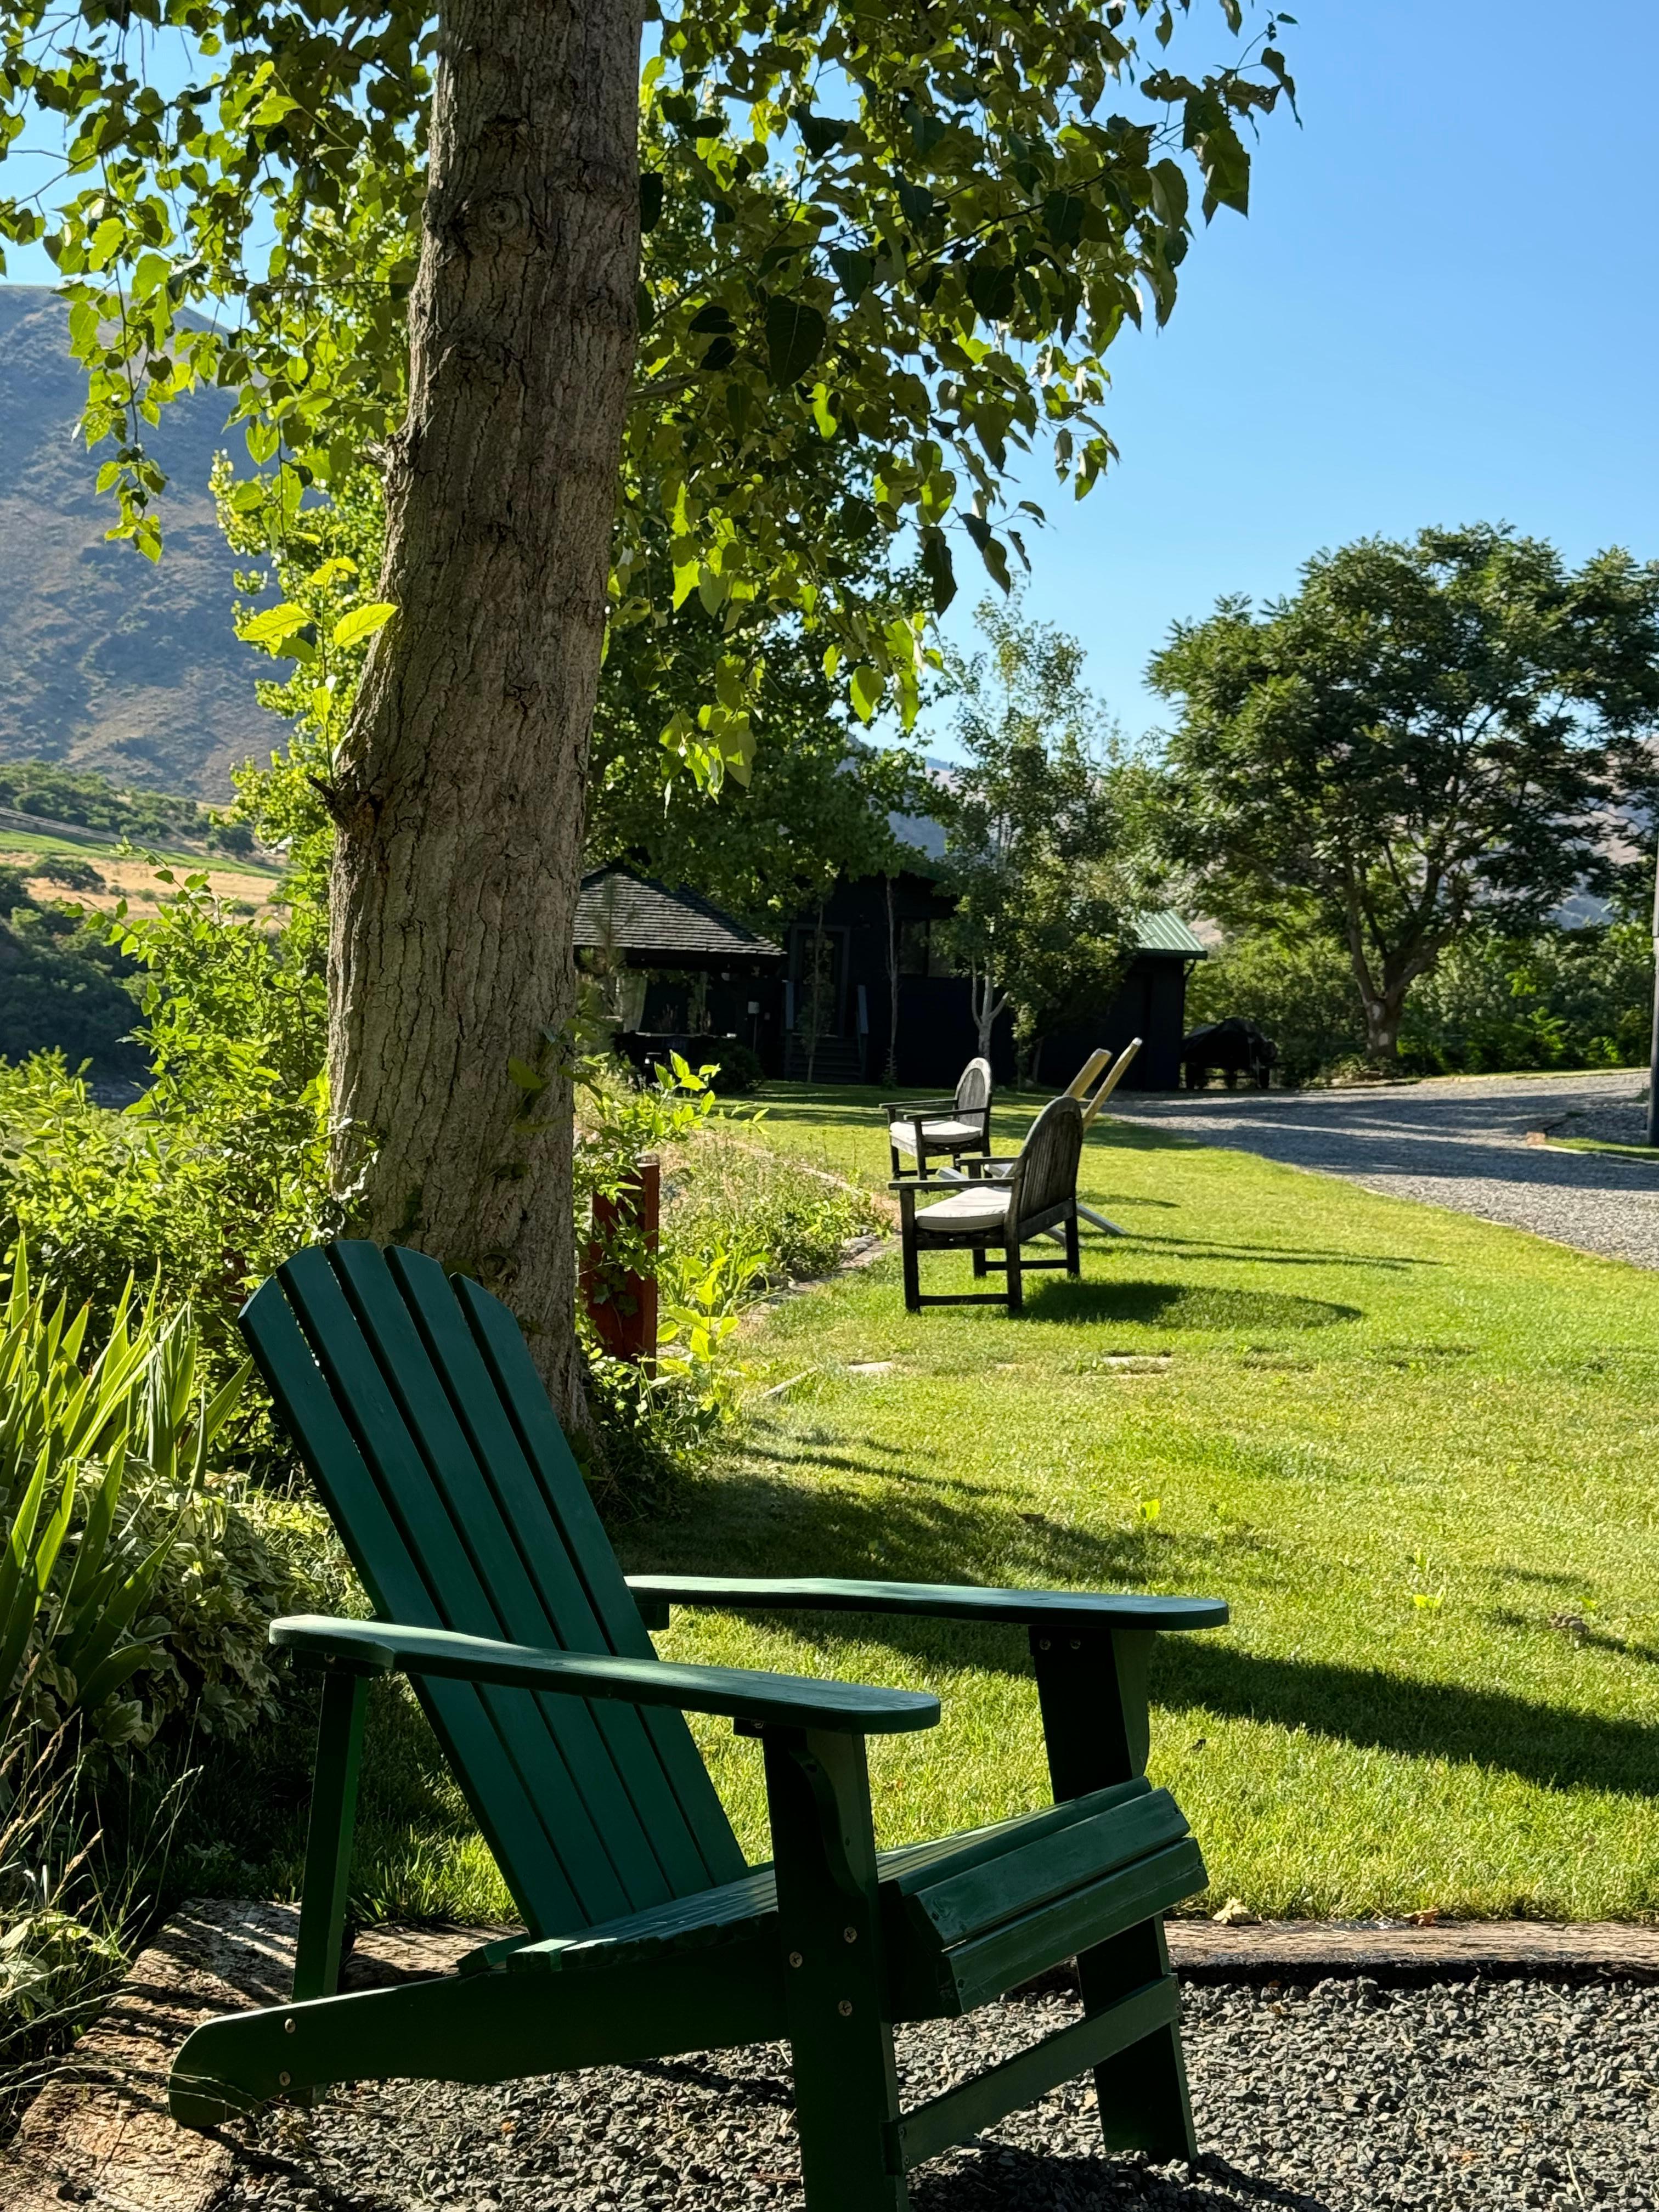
column 431, row 1441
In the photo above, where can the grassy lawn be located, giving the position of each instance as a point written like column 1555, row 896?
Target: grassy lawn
column 1413, row 1451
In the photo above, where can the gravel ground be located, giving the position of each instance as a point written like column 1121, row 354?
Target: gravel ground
column 1460, row 1143
column 1339, row 2098
column 1615, row 1124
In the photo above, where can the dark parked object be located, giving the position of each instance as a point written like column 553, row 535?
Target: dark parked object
column 420, row 1417
column 1235, row 1047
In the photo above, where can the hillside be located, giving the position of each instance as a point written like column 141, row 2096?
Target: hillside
column 110, row 662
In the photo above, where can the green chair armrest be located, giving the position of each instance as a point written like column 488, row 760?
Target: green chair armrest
column 1098, row 1609
column 790, row 1700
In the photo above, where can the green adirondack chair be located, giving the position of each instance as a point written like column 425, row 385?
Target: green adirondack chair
column 420, row 1416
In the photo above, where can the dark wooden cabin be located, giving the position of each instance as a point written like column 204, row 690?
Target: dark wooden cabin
column 682, row 974
column 853, row 950
column 685, row 977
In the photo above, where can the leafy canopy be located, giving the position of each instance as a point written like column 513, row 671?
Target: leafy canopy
column 919, row 245
column 1044, row 918
column 1426, row 736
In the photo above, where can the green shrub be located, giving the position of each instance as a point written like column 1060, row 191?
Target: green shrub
column 61, row 989
column 738, row 1071
column 724, row 1193
column 68, row 870
column 1564, row 997
column 220, row 1170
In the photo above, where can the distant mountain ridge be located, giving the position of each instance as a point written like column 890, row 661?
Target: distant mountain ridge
column 111, row 662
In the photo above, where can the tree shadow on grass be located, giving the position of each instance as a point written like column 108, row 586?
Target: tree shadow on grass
column 1179, row 1305
column 926, row 1528
column 1191, row 1248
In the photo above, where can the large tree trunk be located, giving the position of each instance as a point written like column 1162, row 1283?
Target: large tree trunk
column 459, row 796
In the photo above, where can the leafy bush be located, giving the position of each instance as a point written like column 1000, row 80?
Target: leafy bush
column 724, row 1193
column 62, row 987
column 1566, row 998
column 220, row 1170
column 738, row 1071
column 70, row 871
column 136, row 1582
column 1562, row 997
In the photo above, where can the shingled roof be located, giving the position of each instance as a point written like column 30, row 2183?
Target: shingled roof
column 636, row 916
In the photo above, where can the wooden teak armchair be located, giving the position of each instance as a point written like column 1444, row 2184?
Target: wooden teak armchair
column 431, row 1441
column 922, row 1129
column 1002, row 1206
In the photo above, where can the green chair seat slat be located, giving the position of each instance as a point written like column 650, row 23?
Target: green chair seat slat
column 960, row 1906
column 578, row 1529
column 1125, row 1870
column 454, row 1595
column 567, row 1615
column 920, row 1865
column 479, row 1524
column 494, row 1788
column 979, row 1970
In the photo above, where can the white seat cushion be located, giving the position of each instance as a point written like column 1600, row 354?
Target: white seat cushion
column 903, row 1133
column 977, row 1205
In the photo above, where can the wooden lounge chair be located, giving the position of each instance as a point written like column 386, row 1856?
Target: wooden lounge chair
column 1077, row 1088
column 922, row 1129
column 1003, row 1205
column 419, row 1414
column 1120, row 1068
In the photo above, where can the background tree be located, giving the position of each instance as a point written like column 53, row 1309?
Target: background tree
column 1043, row 922
column 921, row 244
column 1427, row 738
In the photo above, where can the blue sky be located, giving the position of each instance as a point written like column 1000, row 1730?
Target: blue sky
column 1444, row 307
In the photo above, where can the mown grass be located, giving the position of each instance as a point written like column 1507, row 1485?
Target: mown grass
column 1413, row 1451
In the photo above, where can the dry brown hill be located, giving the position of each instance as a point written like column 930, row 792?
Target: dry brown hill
column 110, row 662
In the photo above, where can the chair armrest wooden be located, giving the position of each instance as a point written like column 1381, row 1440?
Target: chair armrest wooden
column 381, row 1647
column 1058, row 1609
column 916, row 1110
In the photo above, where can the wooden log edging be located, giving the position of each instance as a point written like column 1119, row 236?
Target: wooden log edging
column 1403, row 1952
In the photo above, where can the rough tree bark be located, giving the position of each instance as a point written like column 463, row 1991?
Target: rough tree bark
column 459, row 792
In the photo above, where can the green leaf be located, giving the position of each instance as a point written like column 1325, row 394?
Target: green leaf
column 1062, row 218
column 866, row 685
column 363, row 622
column 938, row 569
column 991, row 288
column 990, row 550
column 795, row 334
column 915, row 200
column 652, row 188
column 821, row 134
column 854, row 272
column 276, row 623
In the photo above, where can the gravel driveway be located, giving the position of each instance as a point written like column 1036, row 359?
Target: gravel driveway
column 1339, row 2098
column 1458, row 1142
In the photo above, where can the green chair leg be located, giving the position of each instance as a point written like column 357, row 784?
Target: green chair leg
column 1092, row 1690
column 328, row 1843
column 829, row 1932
